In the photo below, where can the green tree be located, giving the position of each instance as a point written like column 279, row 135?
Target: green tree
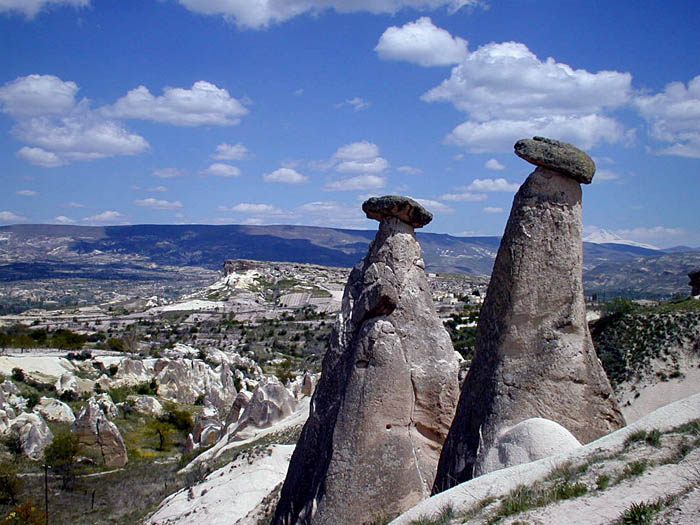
column 61, row 456
column 115, row 344
column 164, row 431
column 10, row 484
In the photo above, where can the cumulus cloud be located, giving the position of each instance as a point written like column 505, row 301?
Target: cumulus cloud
column 463, row 197
column 493, row 209
column 262, row 13
column 8, row 216
column 59, row 129
column 204, row 103
column 26, row 193
column 359, row 157
column 409, row 170
column 158, row 204
column 249, row 207
column 167, row 173
column 76, row 205
column 357, row 104
column 62, row 219
column 230, row 152
column 604, row 175
column 489, row 185
column 287, row 176
column 359, row 182
column 106, row 217
column 509, row 93
column 674, row 117
column 219, row 169
column 159, row 189
column 30, row 8
column 494, row 165
column 435, row 206
column 422, row 43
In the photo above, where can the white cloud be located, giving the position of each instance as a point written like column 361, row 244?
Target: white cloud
column 219, row 169
column 249, row 207
column 357, row 103
column 488, row 185
column 261, row 13
column 8, row 216
column 603, row 175
column 106, row 217
column 333, row 214
column 464, row 197
column 76, row 205
column 158, row 204
column 363, row 166
column 435, row 206
column 409, row 170
column 360, row 182
column 62, row 219
column 674, row 117
column 58, row 129
column 204, row 103
column 509, row 93
column 30, row 8
column 363, row 150
column 40, row 157
column 494, row 165
column 167, row 173
column 500, row 135
column 36, row 95
column 159, row 189
column 26, row 193
column 493, row 209
column 286, row 175
column 230, row 152
column 422, row 43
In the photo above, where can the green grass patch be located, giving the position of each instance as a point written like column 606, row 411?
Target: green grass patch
column 640, row 513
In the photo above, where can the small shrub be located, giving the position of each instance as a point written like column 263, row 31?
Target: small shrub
column 568, row 490
column 654, row 438
column 640, row 513
column 10, row 485
column 602, row 482
column 61, row 456
column 180, row 418
column 25, row 514
column 18, row 375
column 446, row 515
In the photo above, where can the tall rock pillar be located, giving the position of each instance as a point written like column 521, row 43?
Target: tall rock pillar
column 387, row 392
column 534, row 354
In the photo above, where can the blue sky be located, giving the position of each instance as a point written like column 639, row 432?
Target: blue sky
column 295, row 111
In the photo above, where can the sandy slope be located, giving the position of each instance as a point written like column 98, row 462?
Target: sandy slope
column 466, row 496
column 227, row 494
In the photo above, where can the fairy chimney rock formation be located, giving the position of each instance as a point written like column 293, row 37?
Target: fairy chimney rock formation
column 388, row 389
column 534, row 354
column 694, row 283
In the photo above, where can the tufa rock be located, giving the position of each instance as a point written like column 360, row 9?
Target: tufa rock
column 67, row 384
column 404, row 208
column 55, row 410
column 557, row 156
column 33, row 432
column 99, row 437
column 271, row 402
column 534, row 354
column 695, row 282
column 387, row 391
column 239, row 405
column 529, row 440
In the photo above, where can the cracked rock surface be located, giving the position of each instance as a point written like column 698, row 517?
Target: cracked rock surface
column 385, row 399
column 534, row 354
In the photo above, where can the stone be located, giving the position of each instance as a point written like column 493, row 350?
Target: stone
column 557, row 156
column 529, row 440
column 534, row 356
column 239, row 405
column 404, row 208
column 146, row 405
column 208, row 417
column 271, row 402
column 34, row 434
column 67, row 384
column 99, row 437
column 55, row 410
column 132, row 372
column 387, row 392
column 694, row 282
column 104, row 400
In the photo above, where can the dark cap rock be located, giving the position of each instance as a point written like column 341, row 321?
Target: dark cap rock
column 557, row 156
column 403, row 208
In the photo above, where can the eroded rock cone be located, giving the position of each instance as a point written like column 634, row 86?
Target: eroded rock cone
column 694, row 283
column 387, row 392
column 534, row 354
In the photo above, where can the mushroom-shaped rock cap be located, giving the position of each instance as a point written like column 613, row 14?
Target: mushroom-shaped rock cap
column 404, row 208
column 557, row 156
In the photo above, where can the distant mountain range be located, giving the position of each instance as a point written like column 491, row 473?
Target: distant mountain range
column 45, row 251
